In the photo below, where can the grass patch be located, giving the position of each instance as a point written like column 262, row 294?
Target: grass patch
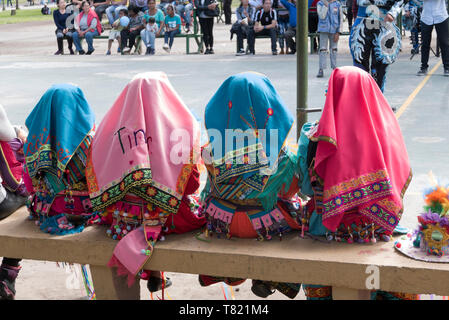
column 22, row 16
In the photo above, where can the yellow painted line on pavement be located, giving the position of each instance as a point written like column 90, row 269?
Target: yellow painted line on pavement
column 416, row 91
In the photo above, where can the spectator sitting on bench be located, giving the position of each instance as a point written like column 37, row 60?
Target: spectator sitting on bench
column 114, row 9
column 291, row 30
column 148, row 34
column 172, row 27
column 118, row 26
column 130, row 33
column 265, row 25
column 100, row 7
column 158, row 15
column 45, row 10
column 242, row 27
column 87, row 26
column 60, row 17
column 184, row 9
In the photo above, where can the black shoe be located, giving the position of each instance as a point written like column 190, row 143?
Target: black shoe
column 446, row 72
column 155, row 284
column 207, row 51
column 81, row 52
column 71, row 51
column 422, row 72
column 274, row 53
column 292, row 51
column 320, row 74
column 59, row 52
column 148, row 51
column 90, row 52
column 152, row 52
column 241, row 52
column 261, row 289
column 211, row 51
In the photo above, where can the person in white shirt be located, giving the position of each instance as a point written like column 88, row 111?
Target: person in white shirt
column 434, row 14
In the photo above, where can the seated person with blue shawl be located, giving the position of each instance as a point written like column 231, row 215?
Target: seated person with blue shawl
column 252, row 176
column 60, row 128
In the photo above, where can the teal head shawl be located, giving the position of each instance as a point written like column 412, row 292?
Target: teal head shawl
column 247, row 123
column 58, row 124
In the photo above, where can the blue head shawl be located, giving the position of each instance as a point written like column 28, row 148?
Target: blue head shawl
column 58, row 124
column 246, row 102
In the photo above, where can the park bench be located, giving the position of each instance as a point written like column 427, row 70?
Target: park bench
column 293, row 259
column 196, row 35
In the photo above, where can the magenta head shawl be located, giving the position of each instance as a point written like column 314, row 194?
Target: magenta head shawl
column 361, row 156
column 144, row 145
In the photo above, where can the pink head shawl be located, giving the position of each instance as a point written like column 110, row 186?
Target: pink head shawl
column 361, row 156
column 144, row 145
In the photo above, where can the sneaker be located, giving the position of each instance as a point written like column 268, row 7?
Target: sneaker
column 152, row 51
column 250, row 53
column 90, row 52
column 166, row 47
column 126, row 50
column 320, row 74
column 187, row 29
column 148, row 51
column 292, row 51
column 211, row 51
column 275, row 53
column 241, row 52
column 59, row 52
column 446, row 72
column 81, row 52
column 108, row 53
column 207, row 51
column 422, row 72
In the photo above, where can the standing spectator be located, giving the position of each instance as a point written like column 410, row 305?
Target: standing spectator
column 45, row 10
column 142, row 5
column 258, row 4
column 206, row 10
column 117, row 26
column 227, row 11
column 313, row 21
column 349, row 13
column 243, row 25
column 330, row 15
column 128, row 35
column 434, row 14
column 163, row 6
column 9, row 3
column 114, row 9
column 283, row 20
column 184, row 9
column 100, row 7
column 62, row 32
column 87, row 26
column 172, row 27
column 148, row 34
column 265, row 24
column 291, row 31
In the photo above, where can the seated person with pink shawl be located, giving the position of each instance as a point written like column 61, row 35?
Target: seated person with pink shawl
column 142, row 171
column 355, row 167
column 12, row 193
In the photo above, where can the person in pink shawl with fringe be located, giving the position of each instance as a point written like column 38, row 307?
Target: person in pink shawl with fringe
column 358, row 168
column 142, row 172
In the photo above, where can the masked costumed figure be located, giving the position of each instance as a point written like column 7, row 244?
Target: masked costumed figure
column 252, row 176
column 60, row 127
column 356, row 174
column 141, row 177
column 375, row 37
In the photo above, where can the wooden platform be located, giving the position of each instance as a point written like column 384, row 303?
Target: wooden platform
column 291, row 260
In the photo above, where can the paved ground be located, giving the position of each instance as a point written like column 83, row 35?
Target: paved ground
column 27, row 69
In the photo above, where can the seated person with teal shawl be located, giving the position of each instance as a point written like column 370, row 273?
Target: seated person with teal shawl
column 252, row 176
column 60, row 128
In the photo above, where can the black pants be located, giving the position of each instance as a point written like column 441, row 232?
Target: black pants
column 100, row 10
column 313, row 27
column 271, row 33
column 227, row 11
column 442, row 38
column 125, row 35
column 244, row 31
column 349, row 15
column 289, row 35
column 207, row 29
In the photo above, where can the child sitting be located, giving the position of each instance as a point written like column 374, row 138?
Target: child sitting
column 117, row 26
column 148, row 34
